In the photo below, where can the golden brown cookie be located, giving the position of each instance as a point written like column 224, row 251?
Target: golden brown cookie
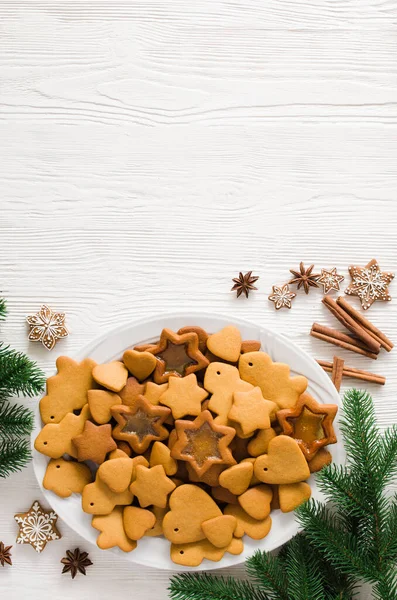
column 65, row 477
column 203, row 443
column 151, row 486
column 193, row 554
column 201, row 334
column 139, row 364
column 292, row 495
column 159, row 514
column 112, row 531
column 219, row 530
column 116, row 473
column 223, row 495
column 237, row 478
column 284, row 462
column 190, row 506
column 183, row 396
column 100, row 403
column 321, row 459
column 124, row 447
column 226, row 343
column 260, row 443
column 256, row 501
column 177, row 355
column 98, row 499
column 132, row 390
column 67, row 390
column 255, row 529
column 310, row 423
column 161, row 455
column 112, row 376
column 94, row 442
column 55, row 439
column 210, row 477
column 251, row 410
column 137, row 521
column 153, row 391
column 254, row 479
column 273, row 378
column 140, row 424
column 250, row 346
column 222, row 381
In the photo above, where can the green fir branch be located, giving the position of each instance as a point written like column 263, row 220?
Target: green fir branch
column 3, row 309
column 305, row 580
column 202, row 586
column 14, row 455
column 268, row 574
column 387, row 463
column 341, row 548
column 19, row 375
column 15, row 421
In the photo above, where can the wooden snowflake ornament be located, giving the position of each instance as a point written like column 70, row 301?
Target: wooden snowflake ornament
column 47, row 327
column 37, row 527
column 369, row 284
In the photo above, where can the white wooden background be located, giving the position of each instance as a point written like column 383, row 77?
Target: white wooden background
column 151, row 149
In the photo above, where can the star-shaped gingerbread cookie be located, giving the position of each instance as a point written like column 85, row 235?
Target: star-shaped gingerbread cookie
column 310, row 423
column 94, row 443
column 251, row 410
column 177, row 355
column 140, row 424
column 330, row 280
column 37, row 527
column 369, row 284
column 184, row 396
column 203, row 443
column 152, row 486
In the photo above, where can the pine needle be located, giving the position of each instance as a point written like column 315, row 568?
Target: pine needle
column 15, row 421
column 14, row 455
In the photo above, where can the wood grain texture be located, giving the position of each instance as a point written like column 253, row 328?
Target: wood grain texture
column 151, row 150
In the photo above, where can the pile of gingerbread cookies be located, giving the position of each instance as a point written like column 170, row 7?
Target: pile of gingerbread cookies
column 195, row 437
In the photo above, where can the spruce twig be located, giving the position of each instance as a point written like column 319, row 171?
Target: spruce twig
column 3, row 309
column 205, row 587
column 19, row 375
column 14, row 455
column 15, row 421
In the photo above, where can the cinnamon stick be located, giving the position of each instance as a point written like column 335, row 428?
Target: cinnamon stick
column 378, row 335
column 339, row 335
column 337, row 372
column 354, row 373
column 351, row 324
column 353, row 347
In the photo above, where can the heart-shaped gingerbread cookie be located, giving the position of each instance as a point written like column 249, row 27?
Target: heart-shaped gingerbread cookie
column 226, row 343
column 190, row 506
column 137, row 521
column 112, row 376
column 284, row 462
column 237, row 478
column 219, row 531
column 292, row 495
column 139, row 364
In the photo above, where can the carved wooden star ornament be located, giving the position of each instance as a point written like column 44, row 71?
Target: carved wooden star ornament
column 310, row 423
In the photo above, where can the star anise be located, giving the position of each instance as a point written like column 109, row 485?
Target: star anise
column 305, row 277
column 244, row 283
column 5, row 554
column 75, row 562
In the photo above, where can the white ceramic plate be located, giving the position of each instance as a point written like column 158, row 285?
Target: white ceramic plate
column 155, row 552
